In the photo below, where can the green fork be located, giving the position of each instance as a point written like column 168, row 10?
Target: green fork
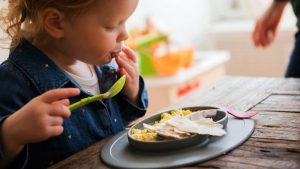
column 114, row 90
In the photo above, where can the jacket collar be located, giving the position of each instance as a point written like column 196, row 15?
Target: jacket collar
column 46, row 75
column 38, row 67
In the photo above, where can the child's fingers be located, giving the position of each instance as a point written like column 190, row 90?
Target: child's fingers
column 58, row 94
column 123, row 71
column 130, row 53
column 122, row 61
column 125, row 63
column 55, row 130
column 59, row 110
column 56, row 120
column 65, row 102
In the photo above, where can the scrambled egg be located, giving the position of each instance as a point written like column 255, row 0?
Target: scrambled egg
column 145, row 135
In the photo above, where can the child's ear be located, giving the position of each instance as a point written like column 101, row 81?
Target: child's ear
column 53, row 22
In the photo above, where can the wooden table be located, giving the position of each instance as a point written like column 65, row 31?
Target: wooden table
column 275, row 142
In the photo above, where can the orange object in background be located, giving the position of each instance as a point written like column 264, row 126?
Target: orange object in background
column 171, row 62
column 166, row 65
column 153, row 47
column 186, row 56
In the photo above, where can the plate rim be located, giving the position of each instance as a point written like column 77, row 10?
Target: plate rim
column 249, row 126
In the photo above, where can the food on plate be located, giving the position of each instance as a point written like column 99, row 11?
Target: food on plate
column 201, row 126
column 144, row 135
column 179, row 124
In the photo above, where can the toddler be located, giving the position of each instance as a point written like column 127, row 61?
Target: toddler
column 65, row 44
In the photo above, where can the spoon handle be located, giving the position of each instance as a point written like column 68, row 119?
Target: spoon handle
column 85, row 101
column 114, row 90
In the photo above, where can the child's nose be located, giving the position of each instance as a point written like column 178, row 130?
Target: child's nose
column 123, row 35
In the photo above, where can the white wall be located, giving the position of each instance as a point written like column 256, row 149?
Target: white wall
column 3, row 53
column 3, row 45
column 186, row 21
column 196, row 23
column 248, row 60
column 223, row 25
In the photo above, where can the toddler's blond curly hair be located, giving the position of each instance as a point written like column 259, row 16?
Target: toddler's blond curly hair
column 22, row 18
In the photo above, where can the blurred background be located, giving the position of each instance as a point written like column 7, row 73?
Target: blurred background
column 220, row 32
column 186, row 45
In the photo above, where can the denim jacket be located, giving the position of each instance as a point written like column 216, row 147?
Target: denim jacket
column 28, row 72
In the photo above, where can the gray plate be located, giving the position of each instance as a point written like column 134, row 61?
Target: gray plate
column 117, row 152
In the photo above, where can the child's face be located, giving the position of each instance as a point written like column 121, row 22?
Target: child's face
column 95, row 35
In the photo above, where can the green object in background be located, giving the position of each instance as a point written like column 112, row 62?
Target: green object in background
column 146, row 65
column 149, row 39
column 142, row 47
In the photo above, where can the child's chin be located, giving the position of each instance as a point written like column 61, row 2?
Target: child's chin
column 107, row 61
column 100, row 62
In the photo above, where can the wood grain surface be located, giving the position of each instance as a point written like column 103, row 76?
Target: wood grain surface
column 275, row 142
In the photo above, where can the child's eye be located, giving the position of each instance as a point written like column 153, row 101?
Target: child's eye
column 110, row 27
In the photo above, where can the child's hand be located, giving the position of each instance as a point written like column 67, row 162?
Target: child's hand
column 39, row 119
column 127, row 62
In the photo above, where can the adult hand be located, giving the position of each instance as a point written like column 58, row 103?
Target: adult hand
column 266, row 26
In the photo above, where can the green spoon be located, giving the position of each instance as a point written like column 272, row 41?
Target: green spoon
column 114, row 90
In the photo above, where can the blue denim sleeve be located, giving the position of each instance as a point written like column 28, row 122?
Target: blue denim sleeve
column 22, row 158
column 132, row 111
column 15, row 91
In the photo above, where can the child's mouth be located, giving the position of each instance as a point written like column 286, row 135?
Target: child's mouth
column 113, row 54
